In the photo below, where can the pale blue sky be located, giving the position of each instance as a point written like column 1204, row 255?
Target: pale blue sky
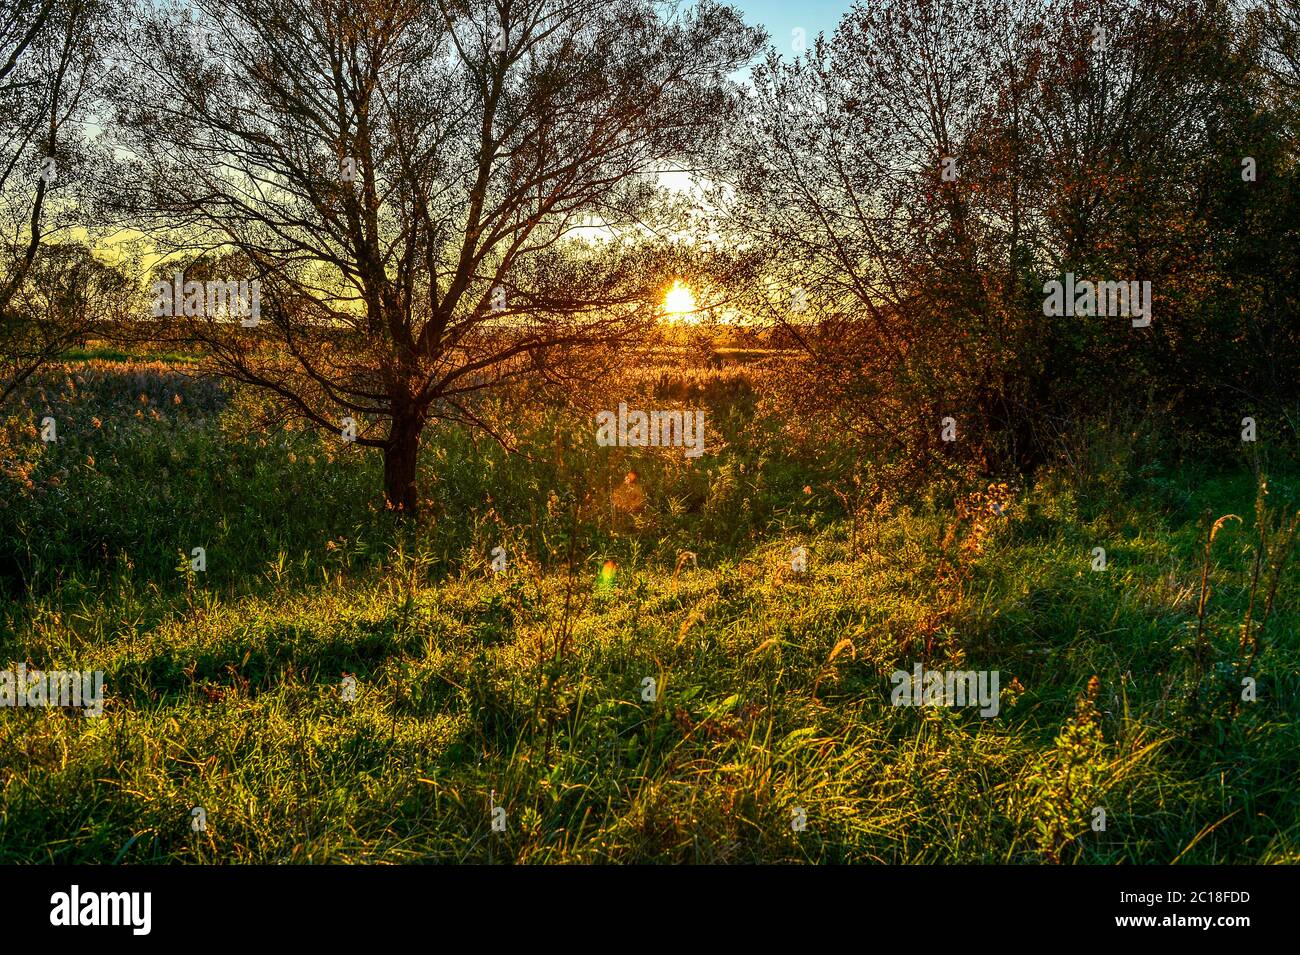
column 780, row 17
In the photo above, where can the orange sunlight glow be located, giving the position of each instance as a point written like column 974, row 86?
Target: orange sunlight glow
column 679, row 303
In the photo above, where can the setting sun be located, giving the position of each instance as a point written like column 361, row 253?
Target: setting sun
column 679, row 302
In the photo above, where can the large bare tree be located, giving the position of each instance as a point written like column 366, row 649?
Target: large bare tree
column 432, row 195
column 850, row 168
column 50, row 53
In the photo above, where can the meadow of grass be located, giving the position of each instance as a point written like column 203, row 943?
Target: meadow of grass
column 527, row 689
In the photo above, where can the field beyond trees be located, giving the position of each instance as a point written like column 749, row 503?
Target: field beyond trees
column 525, row 688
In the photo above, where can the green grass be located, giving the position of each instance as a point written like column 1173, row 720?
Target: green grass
column 524, row 690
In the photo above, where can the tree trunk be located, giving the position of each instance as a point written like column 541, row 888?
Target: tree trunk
column 400, row 458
